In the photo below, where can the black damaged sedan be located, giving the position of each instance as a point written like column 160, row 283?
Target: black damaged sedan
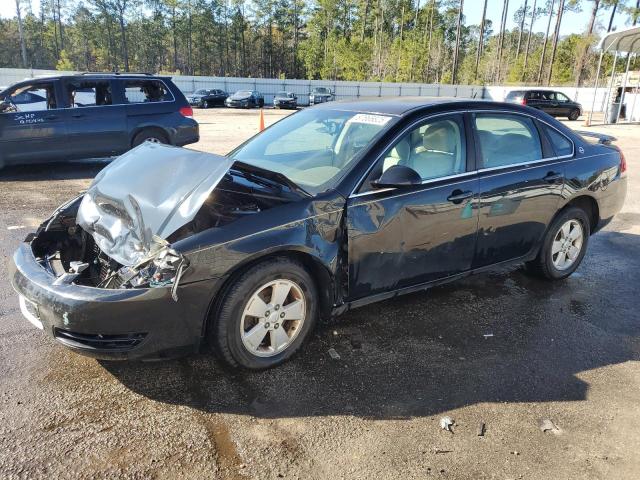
column 331, row 208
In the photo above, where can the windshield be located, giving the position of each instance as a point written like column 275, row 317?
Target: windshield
column 313, row 148
column 284, row 94
column 243, row 92
column 200, row 92
column 320, row 90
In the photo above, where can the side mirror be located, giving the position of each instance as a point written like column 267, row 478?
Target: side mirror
column 398, row 176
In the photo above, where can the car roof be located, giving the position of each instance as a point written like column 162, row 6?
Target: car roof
column 92, row 76
column 401, row 106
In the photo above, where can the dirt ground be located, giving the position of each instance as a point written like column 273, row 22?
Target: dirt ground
column 500, row 349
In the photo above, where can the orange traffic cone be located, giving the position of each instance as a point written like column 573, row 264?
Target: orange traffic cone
column 261, row 119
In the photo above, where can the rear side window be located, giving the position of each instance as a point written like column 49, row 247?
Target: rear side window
column 88, row 93
column 145, row 91
column 561, row 144
column 34, row 98
column 507, row 139
column 514, row 95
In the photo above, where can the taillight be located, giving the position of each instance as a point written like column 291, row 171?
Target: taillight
column 523, row 101
column 186, row 112
column 623, row 161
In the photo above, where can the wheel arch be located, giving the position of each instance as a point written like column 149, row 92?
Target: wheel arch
column 590, row 206
column 169, row 133
column 320, row 273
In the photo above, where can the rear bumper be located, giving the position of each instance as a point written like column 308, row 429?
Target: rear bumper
column 110, row 323
column 187, row 133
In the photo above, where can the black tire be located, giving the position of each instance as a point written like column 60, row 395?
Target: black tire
column 543, row 265
column 154, row 135
column 261, row 103
column 204, row 104
column 574, row 114
column 224, row 327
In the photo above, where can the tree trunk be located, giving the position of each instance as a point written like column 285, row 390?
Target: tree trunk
column 433, row 5
column 174, row 37
column 480, row 40
column 125, row 47
column 613, row 14
column 585, row 49
column 556, row 35
column 190, row 40
column 544, row 45
column 60, row 28
column 23, row 48
column 526, row 50
column 524, row 15
column 503, row 23
column 456, row 52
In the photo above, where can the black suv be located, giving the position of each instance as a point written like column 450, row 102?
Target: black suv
column 90, row 115
column 549, row 101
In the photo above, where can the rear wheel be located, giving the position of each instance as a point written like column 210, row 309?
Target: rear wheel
column 153, row 135
column 564, row 246
column 204, row 104
column 574, row 114
column 265, row 316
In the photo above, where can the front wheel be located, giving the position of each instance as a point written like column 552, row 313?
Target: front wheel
column 573, row 114
column 564, row 246
column 204, row 105
column 265, row 316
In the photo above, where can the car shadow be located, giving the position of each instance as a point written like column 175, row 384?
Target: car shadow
column 72, row 170
column 497, row 337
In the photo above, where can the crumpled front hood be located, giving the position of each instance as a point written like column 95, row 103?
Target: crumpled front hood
column 144, row 196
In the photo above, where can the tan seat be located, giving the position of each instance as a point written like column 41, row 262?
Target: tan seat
column 438, row 155
column 398, row 155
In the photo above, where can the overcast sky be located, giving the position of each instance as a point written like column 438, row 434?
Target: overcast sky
column 571, row 22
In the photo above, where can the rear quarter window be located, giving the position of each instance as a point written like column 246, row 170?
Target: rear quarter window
column 561, row 144
column 146, row 91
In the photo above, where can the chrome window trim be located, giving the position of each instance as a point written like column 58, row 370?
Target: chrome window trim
column 353, row 193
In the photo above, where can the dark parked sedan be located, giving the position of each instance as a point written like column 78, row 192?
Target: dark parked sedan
column 556, row 104
column 320, row 95
column 245, row 99
column 285, row 100
column 331, row 208
column 207, row 98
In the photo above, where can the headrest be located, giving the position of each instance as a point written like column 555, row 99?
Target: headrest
column 440, row 136
column 401, row 150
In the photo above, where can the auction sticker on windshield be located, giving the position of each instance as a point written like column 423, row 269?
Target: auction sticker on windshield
column 370, row 119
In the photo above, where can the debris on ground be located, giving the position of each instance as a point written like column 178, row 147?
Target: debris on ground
column 439, row 451
column 547, row 425
column 488, row 335
column 481, row 429
column 446, row 423
column 356, row 339
column 333, row 354
column 515, row 452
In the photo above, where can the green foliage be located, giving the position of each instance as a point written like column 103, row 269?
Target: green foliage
column 391, row 40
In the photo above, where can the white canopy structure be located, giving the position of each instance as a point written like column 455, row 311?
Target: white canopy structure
column 625, row 41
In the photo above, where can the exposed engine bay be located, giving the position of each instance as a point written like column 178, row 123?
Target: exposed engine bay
column 71, row 244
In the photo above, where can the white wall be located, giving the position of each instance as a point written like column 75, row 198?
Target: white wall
column 345, row 90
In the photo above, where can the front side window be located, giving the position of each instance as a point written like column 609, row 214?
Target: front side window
column 33, row 98
column 562, row 97
column 434, row 149
column 145, row 91
column 507, row 139
column 88, row 93
column 313, row 148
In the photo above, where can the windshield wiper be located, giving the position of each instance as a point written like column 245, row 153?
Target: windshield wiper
column 276, row 177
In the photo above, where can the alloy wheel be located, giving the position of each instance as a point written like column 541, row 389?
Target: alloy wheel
column 273, row 318
column 567, row 244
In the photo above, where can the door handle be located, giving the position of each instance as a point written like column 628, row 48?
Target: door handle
column 78, row 115
column 553, row 177
column 457, row 196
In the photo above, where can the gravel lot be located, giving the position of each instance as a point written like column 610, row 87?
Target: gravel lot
column 500, row 349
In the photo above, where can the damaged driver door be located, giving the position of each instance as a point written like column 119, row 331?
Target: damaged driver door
column 407, row 235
